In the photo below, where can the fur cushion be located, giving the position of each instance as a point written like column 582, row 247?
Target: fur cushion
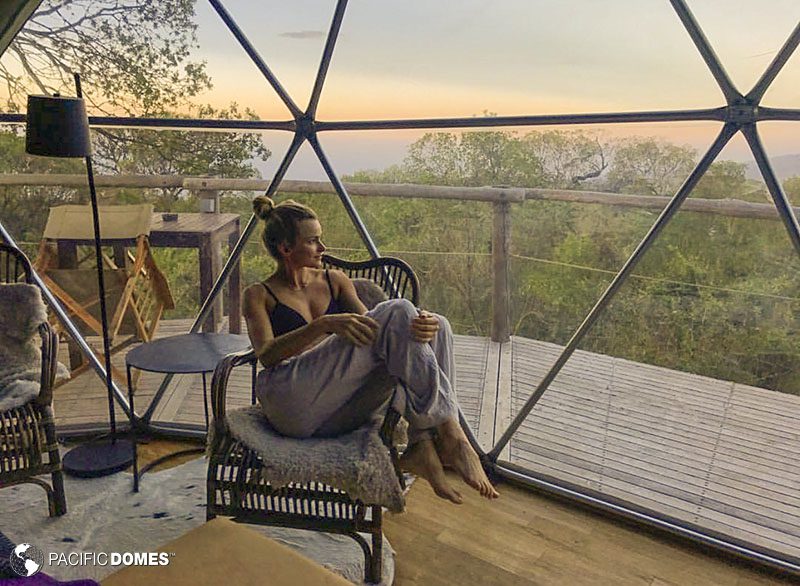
column 369, row 293
column 21, row 312
column 356, row 462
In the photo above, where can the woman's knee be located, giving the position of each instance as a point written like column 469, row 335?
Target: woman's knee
column 397, row 307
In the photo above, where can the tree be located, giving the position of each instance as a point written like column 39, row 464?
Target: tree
column 792, row 188
column 133, row 55
column 24, row 209
column 567, row 159
column 537, row 159
column 174, row 152
column 724, row 180
column 648, row 165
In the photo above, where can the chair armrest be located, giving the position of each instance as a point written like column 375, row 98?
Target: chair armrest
column 49, row 364
column 219, row 384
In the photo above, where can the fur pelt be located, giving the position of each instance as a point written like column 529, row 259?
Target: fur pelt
column 368, row 292
column 356, row 462
column 21, row 313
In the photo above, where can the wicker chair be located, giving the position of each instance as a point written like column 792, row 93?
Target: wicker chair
column 235, row 485
column 28, row 446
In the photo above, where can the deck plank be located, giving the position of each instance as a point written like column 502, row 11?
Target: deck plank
column 706, row 451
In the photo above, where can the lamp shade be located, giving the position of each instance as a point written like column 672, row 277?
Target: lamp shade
column 57, row 127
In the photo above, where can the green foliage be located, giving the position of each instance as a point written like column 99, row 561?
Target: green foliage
column 133, row 55
column 792, row 188
column 715, row 295
column 536, row 159
column 25, row 208
column 175, row 152
column 649, row 166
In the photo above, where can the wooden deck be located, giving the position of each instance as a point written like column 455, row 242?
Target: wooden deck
column 708, row 452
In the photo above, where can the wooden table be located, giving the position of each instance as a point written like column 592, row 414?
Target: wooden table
column 204, row 231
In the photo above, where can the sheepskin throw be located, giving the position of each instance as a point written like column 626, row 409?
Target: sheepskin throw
column 356, row 462
column 21, row 313
column 369, row 292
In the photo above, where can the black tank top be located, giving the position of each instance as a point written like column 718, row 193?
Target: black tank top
column 284, row 319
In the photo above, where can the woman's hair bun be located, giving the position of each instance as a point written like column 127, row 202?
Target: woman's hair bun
column 263, row 206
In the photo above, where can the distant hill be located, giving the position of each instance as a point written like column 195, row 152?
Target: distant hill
column 785, row 166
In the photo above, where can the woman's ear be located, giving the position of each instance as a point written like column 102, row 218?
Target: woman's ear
column 284, row 249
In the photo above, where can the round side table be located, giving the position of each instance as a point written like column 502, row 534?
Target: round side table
column 194, row 353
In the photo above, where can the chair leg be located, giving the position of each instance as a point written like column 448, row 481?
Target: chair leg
column 59, row 506
column 373, row 563
column 374, row 573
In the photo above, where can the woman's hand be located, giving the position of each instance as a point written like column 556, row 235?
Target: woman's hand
column 424, row 327
column 358, row 329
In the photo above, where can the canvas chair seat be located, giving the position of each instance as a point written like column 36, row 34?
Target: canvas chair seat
column 137, row 292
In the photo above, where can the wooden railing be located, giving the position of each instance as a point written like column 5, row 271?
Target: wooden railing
column 501, row 198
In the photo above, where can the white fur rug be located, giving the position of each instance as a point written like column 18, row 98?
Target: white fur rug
column 106, row 516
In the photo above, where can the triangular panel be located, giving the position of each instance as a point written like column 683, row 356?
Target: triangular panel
column 509, row 59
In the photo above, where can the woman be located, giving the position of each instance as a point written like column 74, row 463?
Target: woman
column 328, row 360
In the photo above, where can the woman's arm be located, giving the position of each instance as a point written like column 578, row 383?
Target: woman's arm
column 346, row 293
column 423, row 328
column 357, row 328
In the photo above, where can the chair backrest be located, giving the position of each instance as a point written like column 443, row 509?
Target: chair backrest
column 74, row 222
column 394, row 276
column 14, row 265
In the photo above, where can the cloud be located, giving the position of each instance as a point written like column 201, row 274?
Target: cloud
column 303, row 35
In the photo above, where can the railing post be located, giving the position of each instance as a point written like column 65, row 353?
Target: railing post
column 208, row 199
column 501, row 243
column 211, row 254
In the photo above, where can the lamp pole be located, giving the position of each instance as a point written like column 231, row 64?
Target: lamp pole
column 59, row 127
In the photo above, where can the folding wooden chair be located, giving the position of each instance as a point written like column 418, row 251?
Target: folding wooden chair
column 137, row 292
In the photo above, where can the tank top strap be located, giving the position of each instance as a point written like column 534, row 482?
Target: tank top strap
column 330, row 285
column 275, row 297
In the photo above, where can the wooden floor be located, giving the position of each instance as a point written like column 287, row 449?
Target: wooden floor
column 527, row 539
column 704, row 451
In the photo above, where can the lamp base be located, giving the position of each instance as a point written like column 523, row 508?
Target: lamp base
column 103, row 458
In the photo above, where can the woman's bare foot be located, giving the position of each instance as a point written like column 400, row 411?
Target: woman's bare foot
column 456, row 452
column 421, row 459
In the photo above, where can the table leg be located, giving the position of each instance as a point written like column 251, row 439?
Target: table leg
column 205, row 399
column 209, row 268
column 68, row 259
column 234, row 288
column 253, row 384
column 133, row 434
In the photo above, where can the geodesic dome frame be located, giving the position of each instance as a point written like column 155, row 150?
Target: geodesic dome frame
column 741, row 113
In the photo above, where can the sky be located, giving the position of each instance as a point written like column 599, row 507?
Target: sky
column 419, row 59
column 428, row 58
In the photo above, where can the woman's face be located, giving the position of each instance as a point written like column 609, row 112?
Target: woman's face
column 308, row 247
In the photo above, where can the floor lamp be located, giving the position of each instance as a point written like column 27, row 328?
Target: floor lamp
column 57, row 126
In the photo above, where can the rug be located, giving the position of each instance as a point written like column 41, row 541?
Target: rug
column 106, row 516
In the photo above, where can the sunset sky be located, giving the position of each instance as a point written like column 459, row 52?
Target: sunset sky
column 418, row 59
column 427, row 58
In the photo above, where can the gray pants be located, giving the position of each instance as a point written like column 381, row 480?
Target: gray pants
column 336, row 386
